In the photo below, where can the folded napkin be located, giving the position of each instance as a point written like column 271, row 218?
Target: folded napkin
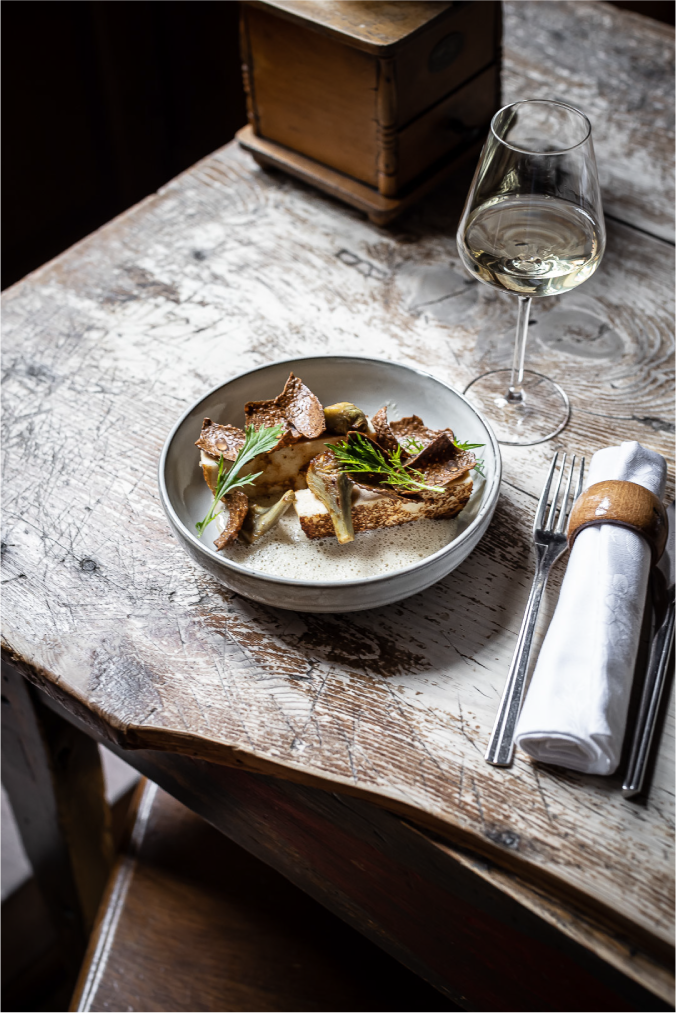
column 576, row 708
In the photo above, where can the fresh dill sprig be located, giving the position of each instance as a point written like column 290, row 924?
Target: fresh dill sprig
column 468, row 446
column 257, row 441
column 478, row 465
column 361, row 455
column 413, row 445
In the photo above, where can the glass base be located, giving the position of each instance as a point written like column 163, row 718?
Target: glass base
column 540, row 415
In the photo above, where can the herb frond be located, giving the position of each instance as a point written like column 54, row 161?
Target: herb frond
column 257, row 441
column 468, row 446
column 413, row 445
column 479, row 465
column 360, row 455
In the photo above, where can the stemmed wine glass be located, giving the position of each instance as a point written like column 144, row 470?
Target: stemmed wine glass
column 532, row 225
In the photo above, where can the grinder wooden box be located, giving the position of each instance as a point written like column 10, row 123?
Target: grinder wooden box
column 373, row 102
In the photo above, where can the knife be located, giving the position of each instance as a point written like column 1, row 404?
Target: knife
column 656, row 676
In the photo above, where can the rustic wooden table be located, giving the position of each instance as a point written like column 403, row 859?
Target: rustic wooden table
column 345, row 750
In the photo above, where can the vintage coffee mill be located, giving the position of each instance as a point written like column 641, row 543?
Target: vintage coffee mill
column 372, row 102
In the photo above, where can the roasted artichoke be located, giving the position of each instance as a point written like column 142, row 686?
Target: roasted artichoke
column 259, row 520
column 344, row 416
column 333, row 488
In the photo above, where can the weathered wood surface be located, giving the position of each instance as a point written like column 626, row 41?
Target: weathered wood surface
column 619, row 68
column 480, row 935
column 225, row 269
column 414, row 894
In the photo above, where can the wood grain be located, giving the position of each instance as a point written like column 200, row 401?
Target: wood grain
column 625, row 503
column 471, row 35
column 379, row 120
column 458, row 120
column 379, row 29
column 227, row 268
column 617, row 67
column 52, row 773
column 386, row 120
column 381, row 210
column 313, row 95
column 39, row 967
column 193, row 922
column 416, row 896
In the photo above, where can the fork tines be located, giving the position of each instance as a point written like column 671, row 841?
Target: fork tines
column 566, row 504
column 549, row 537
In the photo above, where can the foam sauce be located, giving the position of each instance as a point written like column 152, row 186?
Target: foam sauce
column 287, row 551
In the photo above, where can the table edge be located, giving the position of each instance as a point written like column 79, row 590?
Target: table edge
column 541, row 890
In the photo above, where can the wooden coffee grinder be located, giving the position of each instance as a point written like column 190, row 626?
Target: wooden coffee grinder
column 372, row 102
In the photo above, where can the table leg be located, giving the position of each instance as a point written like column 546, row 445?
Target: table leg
column 52, row 773
column 445, row 913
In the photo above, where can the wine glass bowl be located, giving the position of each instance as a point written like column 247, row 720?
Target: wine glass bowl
column 532, row 225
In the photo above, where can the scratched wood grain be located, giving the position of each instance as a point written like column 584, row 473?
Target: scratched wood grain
column 228, row 268
column 618, row 67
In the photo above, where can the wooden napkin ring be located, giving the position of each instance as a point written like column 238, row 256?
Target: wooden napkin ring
column 626, row 504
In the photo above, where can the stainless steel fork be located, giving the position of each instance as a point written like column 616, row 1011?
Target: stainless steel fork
column 550, row 543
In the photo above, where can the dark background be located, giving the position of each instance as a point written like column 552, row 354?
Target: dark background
column 104, row 101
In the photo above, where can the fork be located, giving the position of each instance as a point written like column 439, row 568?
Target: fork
column 550, row 542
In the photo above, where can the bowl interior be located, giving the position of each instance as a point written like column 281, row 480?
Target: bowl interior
column 368, row 383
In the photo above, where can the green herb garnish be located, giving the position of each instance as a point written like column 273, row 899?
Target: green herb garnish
column 361, row 455
column 257, row 441
column 413, row 445
column 479, row 465
column 468, row 446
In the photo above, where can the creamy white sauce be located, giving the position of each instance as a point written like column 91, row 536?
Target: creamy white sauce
column 286, row 551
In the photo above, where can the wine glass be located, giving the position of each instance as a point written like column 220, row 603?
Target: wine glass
column 532, row 225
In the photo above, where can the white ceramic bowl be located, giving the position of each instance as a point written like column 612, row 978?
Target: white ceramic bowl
column 366, row 382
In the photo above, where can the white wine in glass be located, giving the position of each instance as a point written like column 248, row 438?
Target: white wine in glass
column 532, row 225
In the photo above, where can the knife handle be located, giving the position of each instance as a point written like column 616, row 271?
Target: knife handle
column 660, row 652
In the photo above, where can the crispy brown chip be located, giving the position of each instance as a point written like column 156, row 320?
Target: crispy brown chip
column 441, row 462
column 270, row 413
column 413, row 426
column 302, row 408
column 441, row 448
column 220, row 440
column 384, row 434
column 296, row 409
column 237, row 503
column 444, row 472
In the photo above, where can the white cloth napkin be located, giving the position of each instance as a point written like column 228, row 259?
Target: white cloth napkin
column 576, row 707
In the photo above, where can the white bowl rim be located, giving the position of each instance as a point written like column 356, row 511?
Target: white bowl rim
column 488, row 495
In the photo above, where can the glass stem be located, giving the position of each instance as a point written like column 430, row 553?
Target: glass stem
column 515, row 392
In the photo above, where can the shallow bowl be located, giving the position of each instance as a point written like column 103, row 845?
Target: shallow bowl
column 370, row 383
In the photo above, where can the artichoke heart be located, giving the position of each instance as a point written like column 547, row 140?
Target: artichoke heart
column 343, row 416
column 333, row 488
column 259, row 520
